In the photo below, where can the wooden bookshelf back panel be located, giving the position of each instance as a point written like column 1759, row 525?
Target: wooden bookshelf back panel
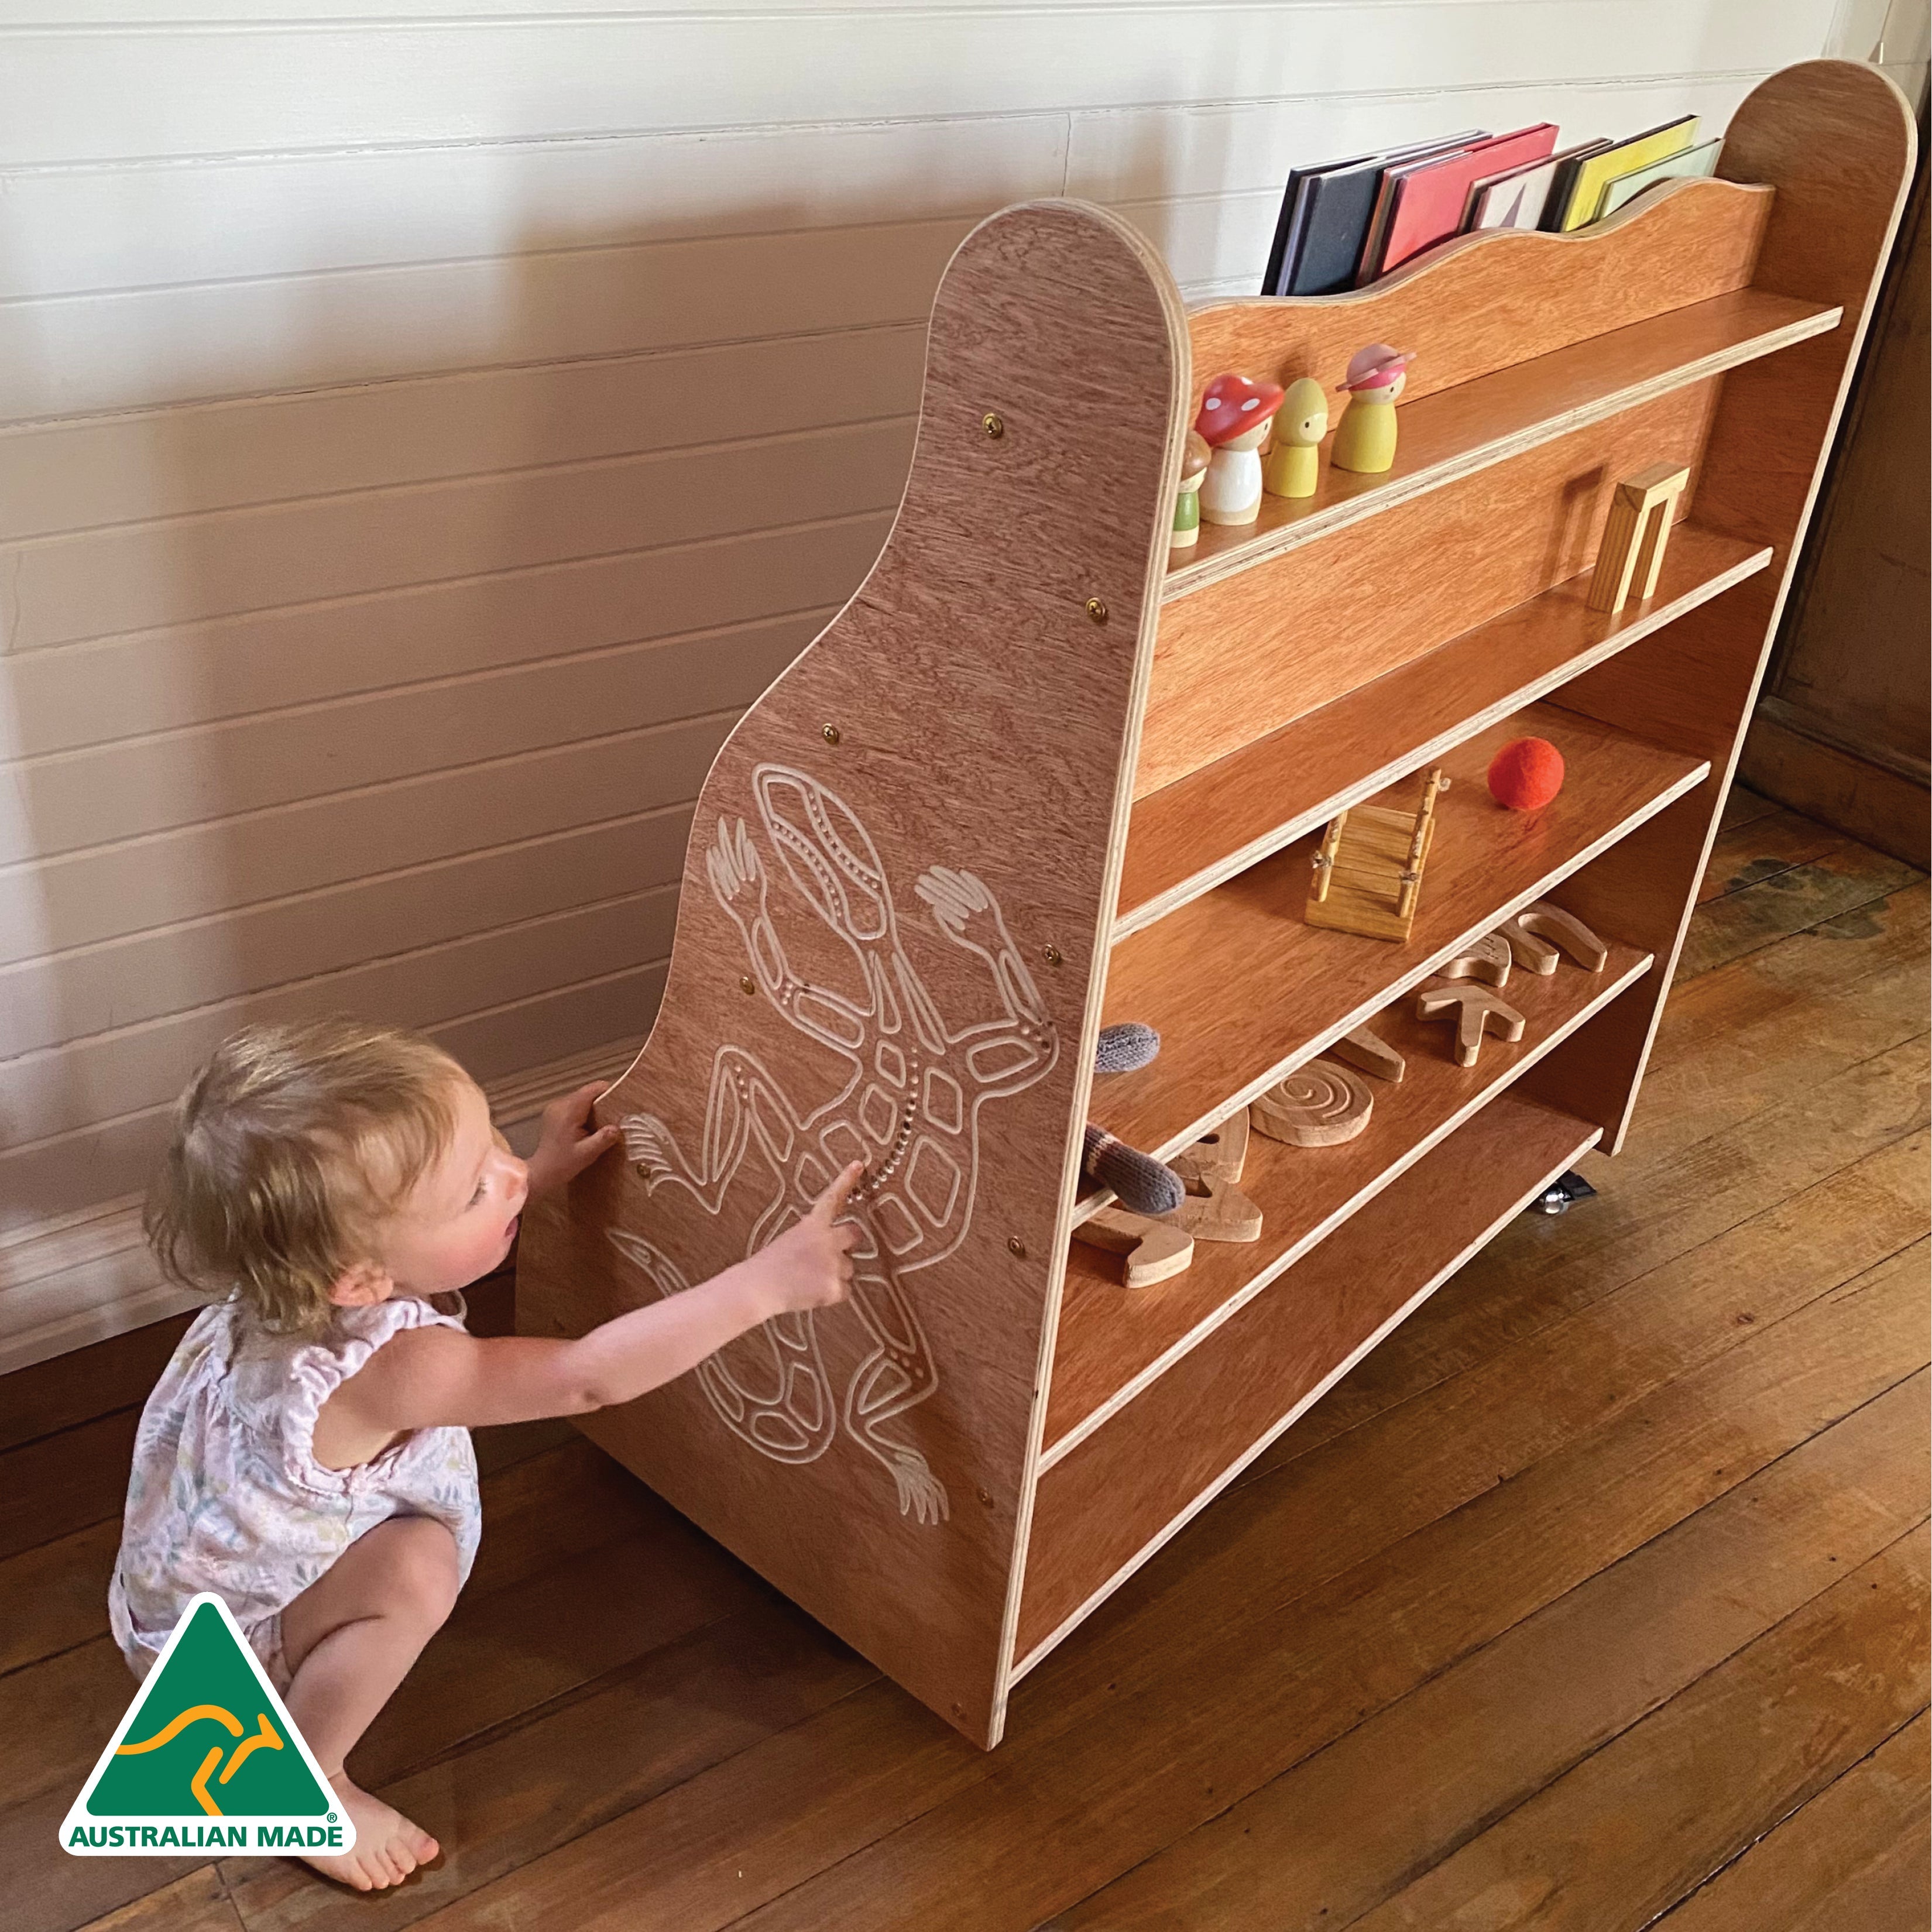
column 1110, row 1339
column 1107, row 1507
column 1245, row 656
column 1186, row 838
column 1240, row 987
column 1485, row 301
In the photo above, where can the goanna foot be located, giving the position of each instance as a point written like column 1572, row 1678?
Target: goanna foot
column 649, row 1147
column 921, row 1494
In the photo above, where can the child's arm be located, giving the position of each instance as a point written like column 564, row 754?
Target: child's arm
column 428, row 1376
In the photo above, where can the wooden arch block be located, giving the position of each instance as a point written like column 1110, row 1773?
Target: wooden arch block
column 1539, row 933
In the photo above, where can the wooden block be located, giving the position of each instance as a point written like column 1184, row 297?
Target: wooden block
column 1539, row 933
column 1487, row 959
column 1154, row 1249
column 1368, row 1053
column 1477, row 1011
column 1631, row 554
column 1320, row 1104
column 1222, row 1155
column 1222, row 1214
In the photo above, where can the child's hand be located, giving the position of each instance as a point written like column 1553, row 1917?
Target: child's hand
column 569, row 1143
column 810, row 1264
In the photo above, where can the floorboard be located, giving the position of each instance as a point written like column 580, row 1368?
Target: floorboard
column 1680, row 1433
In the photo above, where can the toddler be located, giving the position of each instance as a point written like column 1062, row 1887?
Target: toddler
column 305, row 1454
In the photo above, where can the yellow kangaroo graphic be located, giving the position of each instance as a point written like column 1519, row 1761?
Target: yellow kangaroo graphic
column 227, row 1719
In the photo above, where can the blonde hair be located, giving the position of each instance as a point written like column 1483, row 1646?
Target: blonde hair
column 290, row 1144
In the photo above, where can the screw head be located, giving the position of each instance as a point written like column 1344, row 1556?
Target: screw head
column 830, row 734
column 747, row 984
column 1051, row 955
column 985, row 1496
column 1015, row 1246
column 994, row 425
column 1096, row 609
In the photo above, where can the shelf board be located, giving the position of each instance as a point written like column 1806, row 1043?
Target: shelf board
column 1102, row 1511
column 1457, row 431
column 1242, row 990
column 1186, row 838
column 1112, row 1343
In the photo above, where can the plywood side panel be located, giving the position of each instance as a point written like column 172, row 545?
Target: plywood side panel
column 890, row 945
column 1293, row 634
column 1836, row 140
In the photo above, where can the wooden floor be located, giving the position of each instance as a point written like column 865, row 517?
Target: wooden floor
column 1597, row 1595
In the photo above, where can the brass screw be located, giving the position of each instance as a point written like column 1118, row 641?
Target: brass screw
column 1015, row 1246
column 643, row 1174
column 985, row 1496
column 748, row 984
column 1096, row 609
column 1051, row 955
column 830, row 734
column 994, row 426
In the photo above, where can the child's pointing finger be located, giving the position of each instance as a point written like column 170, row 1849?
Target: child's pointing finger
column 831, row 1204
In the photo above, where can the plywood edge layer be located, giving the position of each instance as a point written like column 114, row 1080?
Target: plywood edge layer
column 1182, row 794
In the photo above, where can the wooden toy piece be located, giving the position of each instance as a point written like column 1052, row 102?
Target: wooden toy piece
column 1292, row 464
column 1155, row 1250
column 1194, row 463
column 1477, row 1011
column 1221, row 1212
column 1365, row 443
column 1368, row 871
column 1487, row 959
column 1320, row 1104
column 1234, row 417
column 1222, row 1155
column 1526, row 774
column 1370, row 1053
column 1538, row 933
column 1631, row 553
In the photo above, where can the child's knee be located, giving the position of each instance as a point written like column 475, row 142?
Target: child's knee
column 429, row 1572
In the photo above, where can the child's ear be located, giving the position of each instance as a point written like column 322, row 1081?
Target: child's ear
column 361, row 1285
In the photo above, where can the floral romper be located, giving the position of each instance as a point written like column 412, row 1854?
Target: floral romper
column 226, row 1494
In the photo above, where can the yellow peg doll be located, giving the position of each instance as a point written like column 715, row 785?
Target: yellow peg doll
column 1365, row 443
column 1289, row 468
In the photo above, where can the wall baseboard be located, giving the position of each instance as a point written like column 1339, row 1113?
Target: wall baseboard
column 1875, row 806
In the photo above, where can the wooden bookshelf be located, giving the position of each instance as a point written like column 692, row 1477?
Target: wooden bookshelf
column 1035, row 776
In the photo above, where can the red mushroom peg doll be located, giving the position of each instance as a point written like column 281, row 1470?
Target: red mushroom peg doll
column 1234, row 417
column 1290, row 468
column 1366, row 441
column 1187, row 498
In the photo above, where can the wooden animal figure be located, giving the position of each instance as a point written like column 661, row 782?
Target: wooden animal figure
column 1291, row 466
column 1222, row 1155
column 1541, row 932
column 1634, row 536
column 1369, row 1053
column 1368, row 869
column 1216, row 1209
column 1320, row 1104
column 1476, row 1010
column 1366, row 441
column 1156, row 1250
column 1234, row 417
column 1487, row 959
column 1187, row 499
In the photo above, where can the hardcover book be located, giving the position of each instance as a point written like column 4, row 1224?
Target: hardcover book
column 1686, row 165
column 1517, row 199
column 1595, row 172
column 1429, row 197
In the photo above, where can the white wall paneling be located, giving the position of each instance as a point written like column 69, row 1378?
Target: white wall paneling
column 423, row 431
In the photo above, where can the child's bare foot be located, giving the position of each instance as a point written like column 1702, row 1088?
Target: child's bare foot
column 387, row 1846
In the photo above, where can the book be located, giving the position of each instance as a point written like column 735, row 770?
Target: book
column 1515, row 199
column 1583, row 202
column 1290, row 225
column 1429, row 198
column 1324, row 239
column 1687, row 164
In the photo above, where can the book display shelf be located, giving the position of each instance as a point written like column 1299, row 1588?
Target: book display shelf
column 1034, row 777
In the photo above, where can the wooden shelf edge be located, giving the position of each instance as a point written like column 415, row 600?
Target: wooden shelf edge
column 1633, row 970
column 1518, row 1197
column 1641, row 624
column 1798, row 321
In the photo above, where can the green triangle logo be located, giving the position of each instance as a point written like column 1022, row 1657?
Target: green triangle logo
column 206, row 1758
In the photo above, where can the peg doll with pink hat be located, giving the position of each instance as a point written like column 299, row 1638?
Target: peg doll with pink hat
column 1365, row 443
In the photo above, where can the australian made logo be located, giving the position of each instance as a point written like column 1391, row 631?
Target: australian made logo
column 206, row 1759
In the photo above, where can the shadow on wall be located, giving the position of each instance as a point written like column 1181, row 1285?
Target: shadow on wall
column 390, row 692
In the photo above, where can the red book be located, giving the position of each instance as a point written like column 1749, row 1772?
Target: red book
column 1431, row 196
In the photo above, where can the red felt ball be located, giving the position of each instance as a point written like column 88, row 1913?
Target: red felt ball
column 1526, row 774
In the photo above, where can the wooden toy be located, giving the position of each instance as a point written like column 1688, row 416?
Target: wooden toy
column 1017, row 707
column 1320, row 1104
column 1538, row 933
column 1222, row 1155
column 1365, row 443
column 1526, row 774
column 1631, row 553
column 1194, row 462
column 1141, row 1183
column 1155, row 1250
column 1216, row 1209
column 1368, row 1053
column 1487, row 959
column 1235, row 414
column 1476, row 1010
column 1368, row 871
column 1293, row 463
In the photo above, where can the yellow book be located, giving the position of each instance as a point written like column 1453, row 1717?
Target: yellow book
column 1598, row 171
